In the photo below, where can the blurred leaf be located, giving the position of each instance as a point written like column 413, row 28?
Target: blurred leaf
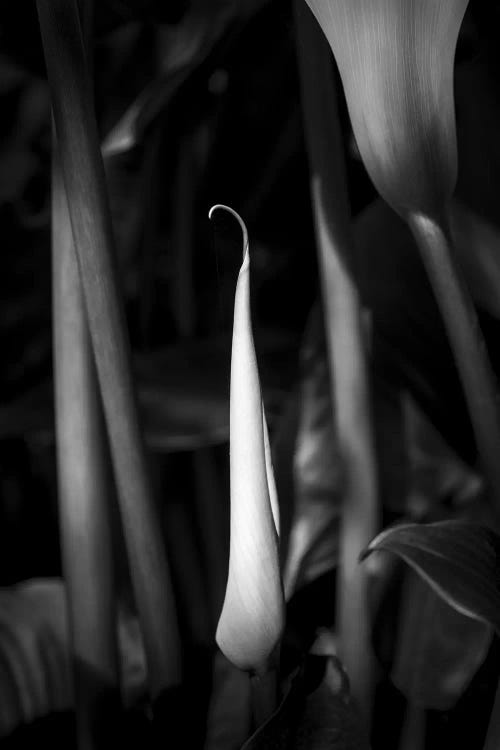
column 35, row 674
column 184, row 48
column 20, row 31
column 315, row 714
column 183, row 394
column 313, row 543
column 438, row 649
column 438, row 478
column 460, row 560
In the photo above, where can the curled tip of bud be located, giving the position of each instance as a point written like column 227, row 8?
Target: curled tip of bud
column 238, row 218
column 252, row 618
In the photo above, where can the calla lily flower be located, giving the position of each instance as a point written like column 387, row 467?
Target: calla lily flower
column 252, row 618
column 395, row 58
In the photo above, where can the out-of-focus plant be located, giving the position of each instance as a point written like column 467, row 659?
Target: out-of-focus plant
column 460, row 560
column 35, row 655
column 184, row 48
column 252, row 618
column 83, row 483
column 83, row 175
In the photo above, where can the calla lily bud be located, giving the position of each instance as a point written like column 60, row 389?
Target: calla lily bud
column 395, row 58
column 252, row 618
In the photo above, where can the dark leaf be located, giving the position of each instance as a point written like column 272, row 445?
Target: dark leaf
column 185, row 48
column 460, row 560
column 313, row 543
column 183, row 394
column 438, row 649
column 315, row 714
column 439, row 479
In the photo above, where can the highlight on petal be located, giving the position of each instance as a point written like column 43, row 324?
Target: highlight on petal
column 252, row 617
column 396, row 61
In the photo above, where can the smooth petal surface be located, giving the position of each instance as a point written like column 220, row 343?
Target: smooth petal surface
column 252, row 617
column 396, row 58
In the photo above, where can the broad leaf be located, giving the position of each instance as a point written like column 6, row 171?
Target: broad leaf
column 438, row 649
column 35, row 674
column 313, row 544
column 460, row 560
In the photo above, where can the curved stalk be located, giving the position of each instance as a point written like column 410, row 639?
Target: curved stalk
column 83, row 175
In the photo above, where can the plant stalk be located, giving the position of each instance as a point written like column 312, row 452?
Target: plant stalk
column 457, row 309
column 350, row 393
column 82, row 487
column 84, row 180
column 83, row 493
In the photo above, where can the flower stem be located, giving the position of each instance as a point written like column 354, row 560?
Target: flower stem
column 84, row 180
column 457, row 309
column 350, row 391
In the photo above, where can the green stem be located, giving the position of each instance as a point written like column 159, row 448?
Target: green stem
column 457, row 309
column 350, row 391
column 83, row 175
